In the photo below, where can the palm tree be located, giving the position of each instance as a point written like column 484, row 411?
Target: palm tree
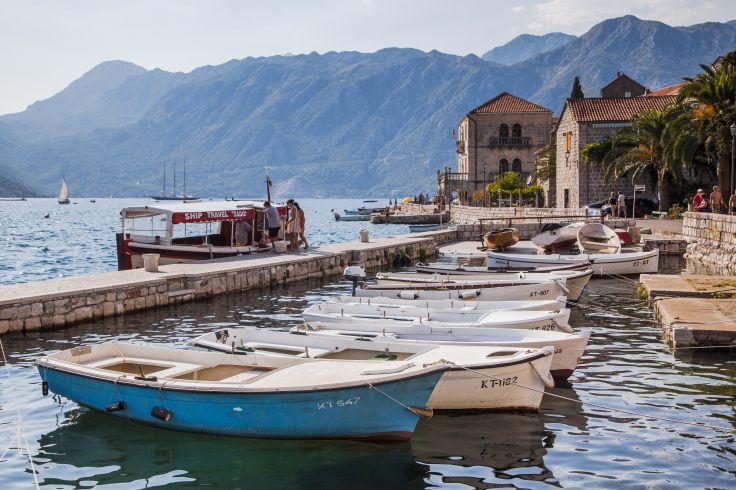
column 646, row 147
column 711, row 100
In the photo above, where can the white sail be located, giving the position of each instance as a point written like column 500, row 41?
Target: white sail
column 63, row 191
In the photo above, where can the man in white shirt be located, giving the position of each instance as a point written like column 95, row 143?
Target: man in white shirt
column 621, row 200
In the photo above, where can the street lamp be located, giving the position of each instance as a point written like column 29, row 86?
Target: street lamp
column 484, row 183
column 567, row 158
column 733, row 150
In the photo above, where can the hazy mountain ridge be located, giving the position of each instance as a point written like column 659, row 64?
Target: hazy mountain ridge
column 336, row 124
column 526, row 46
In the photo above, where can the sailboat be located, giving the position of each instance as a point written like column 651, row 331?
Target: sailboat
column 63, row 192
column 173, row 197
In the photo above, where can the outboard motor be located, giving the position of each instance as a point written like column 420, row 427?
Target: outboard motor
column 356, row 274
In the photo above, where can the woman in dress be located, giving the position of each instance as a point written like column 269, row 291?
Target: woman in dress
column 292, row 225
column 301, row 219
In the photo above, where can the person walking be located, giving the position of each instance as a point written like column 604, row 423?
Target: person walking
column 274, row 223
column 716, row 200
column 621, row 203
column 612, row 203
column 301, row 219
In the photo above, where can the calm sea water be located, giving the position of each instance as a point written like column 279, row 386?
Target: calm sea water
column 569, row 444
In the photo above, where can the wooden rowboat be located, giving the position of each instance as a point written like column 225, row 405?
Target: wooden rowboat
column 500, row 239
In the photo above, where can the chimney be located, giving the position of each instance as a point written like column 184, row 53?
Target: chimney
column 618, row 74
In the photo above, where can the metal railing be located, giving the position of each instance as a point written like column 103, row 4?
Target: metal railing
column 512, row 141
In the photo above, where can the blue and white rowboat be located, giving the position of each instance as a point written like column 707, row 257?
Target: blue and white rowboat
column 249, row 396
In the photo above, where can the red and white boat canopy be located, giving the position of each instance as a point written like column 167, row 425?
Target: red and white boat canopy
column 200, row 211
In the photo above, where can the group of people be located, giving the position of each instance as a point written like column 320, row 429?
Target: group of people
column 714, row 203
column 617, row 201
column 294, row 227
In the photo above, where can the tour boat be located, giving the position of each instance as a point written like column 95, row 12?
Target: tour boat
column 499, row 291
column 462, row 270
column 190, row 231
column 63, row 192
column 596, row 238
column 248, row 396
column 558, row 237
column 364, row 313
column 500, row 239
column 569, row 347
column 625, row 262
column 454, row 304
column 500, row 378
column 575, row 280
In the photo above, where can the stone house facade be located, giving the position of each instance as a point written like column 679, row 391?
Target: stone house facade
column 498, row 136
column 621, row 87
column 585, row 121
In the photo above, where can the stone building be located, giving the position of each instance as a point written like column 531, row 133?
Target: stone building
column 498, row 136
column 622, row 87
column 588, row 120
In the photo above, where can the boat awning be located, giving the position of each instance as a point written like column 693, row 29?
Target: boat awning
column 200, row 212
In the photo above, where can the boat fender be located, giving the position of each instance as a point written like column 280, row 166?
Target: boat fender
column 564, row 288
column 161, row 413
column 45, row 388
column 408, row 295
column 116, row 406
column 468, row 294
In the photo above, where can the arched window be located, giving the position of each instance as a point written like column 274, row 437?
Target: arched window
column 516, row 165
column 503, row 131
column 503, row 166
column 516, row 131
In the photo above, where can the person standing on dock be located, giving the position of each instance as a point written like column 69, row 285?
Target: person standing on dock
column 302, row 220
column 274, row 223
column 621, row 199
column 716, row 200
column 292, row 225
column 613, row 203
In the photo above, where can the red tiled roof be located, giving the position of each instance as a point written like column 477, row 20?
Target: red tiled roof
column 669, row 90
column 505, row 102
column 595, row 109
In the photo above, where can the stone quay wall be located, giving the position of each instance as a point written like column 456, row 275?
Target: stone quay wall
column 61, row 302
column 712, row 239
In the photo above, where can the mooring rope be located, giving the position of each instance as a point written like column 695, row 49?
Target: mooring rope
column 21, row 435
column 604, row 407
column 415, row 412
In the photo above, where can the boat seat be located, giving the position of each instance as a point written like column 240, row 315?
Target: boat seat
column 168, row 369
column 247, row 376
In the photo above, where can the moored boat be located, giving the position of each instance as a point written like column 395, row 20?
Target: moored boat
column 213, row 228
column 626, row 262
column 63, row 192
column 498, row 291
column 461, row 270
column 249, row 396
column 500, row 239
column 596, row 238
column 569, row 347
column 471, row 383
column 575, row 280
column 365, row 313
column 427, row 227
column 352, row 217
column 556, row 236
column 454, row 304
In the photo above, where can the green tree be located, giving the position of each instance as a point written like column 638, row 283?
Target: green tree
column 710, row 98
column 577, row 90
column 512, row 182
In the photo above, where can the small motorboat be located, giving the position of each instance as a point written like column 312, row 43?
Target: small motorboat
column 569, row 347
column 452, row 304
column 457, row 270
column 596, row 238
column 623, row 263
column 555, row 237
column 495, row 291
column 458, row 388
column 365, row 313
column 500, row 239
column 248, row 396
column 352, row 217
column 575, row 280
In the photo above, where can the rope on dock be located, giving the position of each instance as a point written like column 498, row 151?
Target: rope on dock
column 21, row 435
column 604, row 407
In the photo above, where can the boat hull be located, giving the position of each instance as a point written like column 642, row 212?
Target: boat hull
column 624, row 263
column 520, row 291
column 342, row 413
column 499, row 240
column 453, row 270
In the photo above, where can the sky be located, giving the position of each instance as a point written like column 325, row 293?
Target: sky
column 47, row 44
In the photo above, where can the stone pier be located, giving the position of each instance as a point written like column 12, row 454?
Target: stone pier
column 712, row 240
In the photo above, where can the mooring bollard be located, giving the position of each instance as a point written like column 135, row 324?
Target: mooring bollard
column 150, row 262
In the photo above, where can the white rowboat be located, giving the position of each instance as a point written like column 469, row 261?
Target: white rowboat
column 502, row 291
column 626, row 262
column 450, row 304
column 596, row 238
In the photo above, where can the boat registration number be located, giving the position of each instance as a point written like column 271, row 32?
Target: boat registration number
column 338, row 403
column 539, row 293
column 498, row 383
column 549, row 326
column 640, row 262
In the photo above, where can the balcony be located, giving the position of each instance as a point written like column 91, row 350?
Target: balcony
column 511, row 141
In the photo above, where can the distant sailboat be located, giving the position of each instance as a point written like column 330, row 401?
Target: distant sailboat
column 63, row 192
column 173, row 197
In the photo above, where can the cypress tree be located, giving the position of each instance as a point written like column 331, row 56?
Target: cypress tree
column 577, row 90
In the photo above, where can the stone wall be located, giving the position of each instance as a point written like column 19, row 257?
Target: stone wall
column 712, row 239
column 473, row 215
column 62, row 302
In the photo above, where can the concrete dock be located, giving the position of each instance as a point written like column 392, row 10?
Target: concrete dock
column 60, row 302
column 694, row 310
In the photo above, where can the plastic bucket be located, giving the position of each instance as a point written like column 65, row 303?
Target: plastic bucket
column 364, row 236
column 150, row 262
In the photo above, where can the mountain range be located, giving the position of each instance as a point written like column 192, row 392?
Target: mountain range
column 334, row 124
